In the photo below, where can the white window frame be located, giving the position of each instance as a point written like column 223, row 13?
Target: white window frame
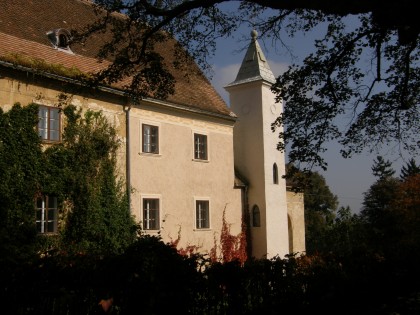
column 44, row 123
column 196, row 219
column 201, row 133
column 159, row 137
column 43, row 208
column 143, row 219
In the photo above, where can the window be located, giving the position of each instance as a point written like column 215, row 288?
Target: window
column 46, row 214
column 49, row 123
column 60, row 38
column 63, row 41
column 151, row 214
column 256, row 216
column 200, row 147
column 150, row 139
column 202, row 215
column 275, row 174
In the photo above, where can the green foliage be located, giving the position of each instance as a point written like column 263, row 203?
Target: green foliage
column 346, row 236
column 21, row 171
column 40, row 65
column 378, row 199
column 81, row 172
column 85, row 171
column 320, row 207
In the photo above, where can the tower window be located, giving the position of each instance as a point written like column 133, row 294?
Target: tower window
column 256, row 222
column 275, row 174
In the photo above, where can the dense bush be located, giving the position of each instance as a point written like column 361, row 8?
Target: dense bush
column 152, row 278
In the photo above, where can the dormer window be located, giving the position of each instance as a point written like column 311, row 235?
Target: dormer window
column 60, row 39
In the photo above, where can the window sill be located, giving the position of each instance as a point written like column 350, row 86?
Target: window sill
column 202, row 230
column 199, row 160
column 151, row 231
column 150, row 154
column 45, row 141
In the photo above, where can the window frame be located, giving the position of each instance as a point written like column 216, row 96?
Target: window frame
column 142, row 138
column 48, row 129
column 197, row 157
column 198, row 226
column 44, row 219
column 146, row 223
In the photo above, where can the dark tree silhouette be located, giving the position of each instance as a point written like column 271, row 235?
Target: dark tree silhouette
column 409, row 169
column 379, row 99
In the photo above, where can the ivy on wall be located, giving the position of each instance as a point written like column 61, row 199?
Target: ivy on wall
column 80, row 171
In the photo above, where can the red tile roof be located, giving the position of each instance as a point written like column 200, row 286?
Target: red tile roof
column 23, row 28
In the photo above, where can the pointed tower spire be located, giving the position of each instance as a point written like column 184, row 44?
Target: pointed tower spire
column 254, row 65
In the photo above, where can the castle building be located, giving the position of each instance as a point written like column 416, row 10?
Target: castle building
column 190, row 160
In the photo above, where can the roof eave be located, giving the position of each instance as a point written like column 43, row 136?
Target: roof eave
column 231, row 117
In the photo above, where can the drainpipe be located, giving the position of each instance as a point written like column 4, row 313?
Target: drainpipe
column 127, row 153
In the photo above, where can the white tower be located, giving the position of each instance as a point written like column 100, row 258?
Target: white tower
column 256, row 156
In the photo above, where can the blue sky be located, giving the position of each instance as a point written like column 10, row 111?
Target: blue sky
column 347, row 178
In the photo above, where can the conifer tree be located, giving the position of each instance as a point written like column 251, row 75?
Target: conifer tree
column 320, row 207
column 409, row 169
column 377, row 204
column 381, row 168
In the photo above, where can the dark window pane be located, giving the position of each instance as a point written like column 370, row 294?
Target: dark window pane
column 200, row 147
column 151, row 214
column 46, row 214
column 49, row 123
column 202, row 214
column 150, row 139
column 256, row 216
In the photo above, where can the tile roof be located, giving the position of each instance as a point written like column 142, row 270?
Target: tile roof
column 23, row 28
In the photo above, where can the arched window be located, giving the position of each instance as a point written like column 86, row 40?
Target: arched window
column 62, row 41
column 256, row 216
column 275, row 174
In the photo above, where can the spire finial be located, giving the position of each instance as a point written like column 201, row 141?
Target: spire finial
column 254, row 34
